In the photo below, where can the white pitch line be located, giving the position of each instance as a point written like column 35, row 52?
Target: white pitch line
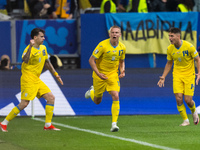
column 110, row 136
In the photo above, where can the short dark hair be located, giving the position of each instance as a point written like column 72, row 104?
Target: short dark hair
column 36, row 31
column 175, row 30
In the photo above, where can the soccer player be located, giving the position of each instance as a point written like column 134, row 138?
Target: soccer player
column 34, row 58
column 182, row 54
column 105, row 61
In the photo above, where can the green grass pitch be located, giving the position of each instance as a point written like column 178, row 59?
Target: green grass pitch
column 137, row 132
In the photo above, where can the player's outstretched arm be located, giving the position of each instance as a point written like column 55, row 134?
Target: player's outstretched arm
column 197, row 59
column 50, row 67
column 168, row 67
column 161, row 82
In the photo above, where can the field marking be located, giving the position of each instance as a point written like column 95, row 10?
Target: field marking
column 110, row 136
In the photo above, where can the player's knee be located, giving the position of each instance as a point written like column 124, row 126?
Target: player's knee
column 179, row 98
column 189, row 101
column 51, row 98
column 115, row 96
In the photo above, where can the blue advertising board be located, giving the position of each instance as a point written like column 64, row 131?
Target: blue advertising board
column 139, row 94
column 60, row 35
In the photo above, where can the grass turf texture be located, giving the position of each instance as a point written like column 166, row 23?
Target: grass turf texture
column 25, row 133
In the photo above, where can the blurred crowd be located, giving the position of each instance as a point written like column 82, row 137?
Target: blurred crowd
column 53, row 9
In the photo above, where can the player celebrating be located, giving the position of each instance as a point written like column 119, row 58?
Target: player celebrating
column 34, row 58
column 183, row 54
column 105, row 61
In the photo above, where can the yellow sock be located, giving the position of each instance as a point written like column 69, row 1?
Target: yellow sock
column 182, row 111
column 92, row 94
column 14, row 112
column 49, row 112
column 193, row 108
column 115, row 110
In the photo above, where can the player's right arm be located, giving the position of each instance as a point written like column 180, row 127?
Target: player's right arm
column 26, row 56
column 168, row 67
column 95, row 69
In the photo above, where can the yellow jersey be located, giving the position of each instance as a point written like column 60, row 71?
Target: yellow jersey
column 183, row 58
column 108, row 56
column 31, row 71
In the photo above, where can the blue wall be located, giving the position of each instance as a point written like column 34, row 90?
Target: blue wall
column 5, row 38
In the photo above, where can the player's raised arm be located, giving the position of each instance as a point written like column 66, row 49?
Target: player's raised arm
column 26, row 57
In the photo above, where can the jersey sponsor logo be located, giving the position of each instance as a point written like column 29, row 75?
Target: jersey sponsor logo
column 108, row 52
column 96, row 51
column 43, row 52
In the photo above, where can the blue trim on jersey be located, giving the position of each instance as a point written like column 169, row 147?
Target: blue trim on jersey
column 50, row 104
column 94, row 57
column 181, row 45
column 37, row 48
column 114, row 46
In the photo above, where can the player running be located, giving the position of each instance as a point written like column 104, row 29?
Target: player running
column 105, row 61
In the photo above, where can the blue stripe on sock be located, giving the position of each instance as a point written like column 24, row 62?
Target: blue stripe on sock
column 180, row 105
column 18, row 108
column 50, row 104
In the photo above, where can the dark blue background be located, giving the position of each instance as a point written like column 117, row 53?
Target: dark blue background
column 139, row 92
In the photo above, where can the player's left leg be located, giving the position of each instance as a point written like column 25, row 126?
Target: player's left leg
column 189, row 92
column 178, row 88
column 181, row 108
column 115, row 110
column 46, row 93
column 49, row 111
column 192, row 106
column 113, row 87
